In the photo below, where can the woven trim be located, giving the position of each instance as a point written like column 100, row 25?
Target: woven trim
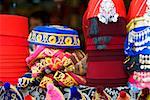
column 54, row 39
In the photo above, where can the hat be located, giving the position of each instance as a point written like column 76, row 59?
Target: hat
column 53, row 93
column 55, row 36
column 10, row 92
column 138, row 8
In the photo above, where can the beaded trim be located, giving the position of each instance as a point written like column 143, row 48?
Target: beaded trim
column 140, row 59
column 144, row 59
column 139, row 38
column 141, row 76
column 54, row 39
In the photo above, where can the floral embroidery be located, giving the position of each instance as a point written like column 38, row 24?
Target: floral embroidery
column 107, row 12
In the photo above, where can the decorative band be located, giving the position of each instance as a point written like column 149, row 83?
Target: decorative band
column 137, row 67
column 141, row 59
column 144, row 59
column 138, row 22
column 54, row 39
column 140, row 37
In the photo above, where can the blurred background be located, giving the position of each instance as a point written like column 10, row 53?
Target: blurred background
column 43, row 12
column 65, row 12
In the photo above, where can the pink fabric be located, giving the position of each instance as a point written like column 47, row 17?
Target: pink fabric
column 53, row 93
column 35, row 54
column 137, row 83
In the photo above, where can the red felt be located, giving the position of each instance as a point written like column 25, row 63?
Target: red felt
column 105, row 58
column 12, row 40
column 12, row 70
column 16, row 57
column 106, row 70
column 13, row 50
column 12, row 80
column 137, row 9
column 12, row 61
column 107, row 82
column 13, row 25
column 13, row 64
column 114, row 40
column 14, row 67
column 118, row 52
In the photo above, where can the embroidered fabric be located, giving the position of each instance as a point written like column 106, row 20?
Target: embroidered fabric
column 107, row 12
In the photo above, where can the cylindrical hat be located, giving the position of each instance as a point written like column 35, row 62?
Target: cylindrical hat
column 13, row 47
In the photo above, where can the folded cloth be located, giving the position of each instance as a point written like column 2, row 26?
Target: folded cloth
column 46, row 80
column 14, row 41
column 68, row 79
column 55, row 36
column 111, row 40
column 42, row 52
column 13, row 25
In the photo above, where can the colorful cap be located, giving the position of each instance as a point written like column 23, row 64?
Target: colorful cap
column 55, row 36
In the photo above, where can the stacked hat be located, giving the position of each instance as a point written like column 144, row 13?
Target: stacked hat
column 13, row 47
column 104, row 27
column 57, row 63
column 137, row 46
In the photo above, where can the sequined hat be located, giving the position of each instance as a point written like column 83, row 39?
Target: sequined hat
column 55, row 36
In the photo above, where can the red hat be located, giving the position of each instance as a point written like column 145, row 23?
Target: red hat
column 138, row 8
column 95, row 6
column 13, row 47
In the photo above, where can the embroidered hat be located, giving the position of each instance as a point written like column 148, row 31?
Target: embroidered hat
column 55, row 36
column 102, row 15
column 137, row 41
column 10, row 92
